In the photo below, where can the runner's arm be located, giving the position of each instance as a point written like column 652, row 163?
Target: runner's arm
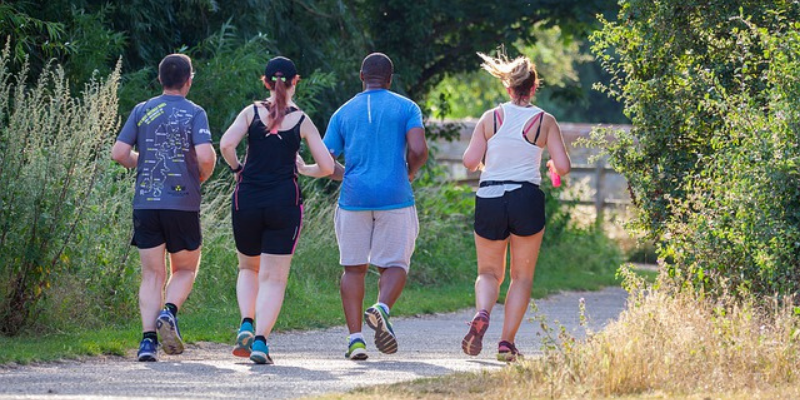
column 206, row 159
column 555, row 146
column 324, row 161
column 417, row 151
column 233, row 136
column 476, row 150
column 123, row 154
column 338, row 171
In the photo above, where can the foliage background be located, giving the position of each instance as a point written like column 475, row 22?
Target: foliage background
column 711, row 89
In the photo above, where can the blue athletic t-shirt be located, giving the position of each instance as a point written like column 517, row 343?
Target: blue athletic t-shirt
column 370, row 130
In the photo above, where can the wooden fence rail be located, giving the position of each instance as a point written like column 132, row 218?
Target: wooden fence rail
column 599, row 170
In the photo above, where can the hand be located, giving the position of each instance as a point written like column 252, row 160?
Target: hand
column 555, row 179
column 236, row 175
column 300, row 163
column 411, row 176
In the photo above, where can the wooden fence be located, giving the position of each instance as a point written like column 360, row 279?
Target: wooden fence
column 609, row 188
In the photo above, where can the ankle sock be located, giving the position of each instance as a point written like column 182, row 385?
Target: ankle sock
column 173, row 309
column 354, row 336
column 384, row 307
column 247, row 320
column 152, row 335
column 261, row 338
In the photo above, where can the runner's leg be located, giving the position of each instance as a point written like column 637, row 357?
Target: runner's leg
column 391, row 284
column 272, row 278
column 183, row 265
column 154, row 274
column 247, row 284
column 352, row 291
column 524, row 253
column 393, row 241
column 491, row 271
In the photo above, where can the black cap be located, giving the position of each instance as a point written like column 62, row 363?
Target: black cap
column 280, row 67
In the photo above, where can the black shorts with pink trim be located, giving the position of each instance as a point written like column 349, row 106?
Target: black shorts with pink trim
column 267, row 230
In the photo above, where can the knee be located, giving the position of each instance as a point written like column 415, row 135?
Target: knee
column 185, row 269
column 159, row 275
column 244, row 266
column 355, row 271
column 522, row 278
column 492, row 276
column 272, row 276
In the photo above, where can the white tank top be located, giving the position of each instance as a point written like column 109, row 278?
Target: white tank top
column 509, row 155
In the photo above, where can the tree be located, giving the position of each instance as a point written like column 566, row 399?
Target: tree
column 567, row 71
column 433, row 38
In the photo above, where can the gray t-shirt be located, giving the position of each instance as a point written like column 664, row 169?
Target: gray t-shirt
column 165, row 130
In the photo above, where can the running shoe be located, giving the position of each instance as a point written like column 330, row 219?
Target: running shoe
column 473, row 341
column 244, row 340
column 168, row 333
column 377, row 319
column 259, row 353
column 147, row 350
column 508, row 352
column 357, row 350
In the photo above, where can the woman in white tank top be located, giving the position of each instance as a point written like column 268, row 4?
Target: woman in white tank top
column 507, row 147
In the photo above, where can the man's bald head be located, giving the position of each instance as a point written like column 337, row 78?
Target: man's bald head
column 377, row 68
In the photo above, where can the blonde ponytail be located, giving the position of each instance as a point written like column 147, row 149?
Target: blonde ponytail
column 518, row 74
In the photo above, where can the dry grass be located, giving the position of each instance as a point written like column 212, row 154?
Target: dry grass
column 668, row 343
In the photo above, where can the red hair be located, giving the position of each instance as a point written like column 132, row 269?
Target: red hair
column 278, row 110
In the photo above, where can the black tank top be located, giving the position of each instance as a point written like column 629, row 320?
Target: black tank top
column 269, row 177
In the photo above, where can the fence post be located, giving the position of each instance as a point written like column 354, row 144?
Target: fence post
column 599, row 197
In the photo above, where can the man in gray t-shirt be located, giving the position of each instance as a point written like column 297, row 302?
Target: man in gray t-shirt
column 174, row 156
column 166, row 129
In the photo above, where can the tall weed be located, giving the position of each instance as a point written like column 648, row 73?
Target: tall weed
column 57, row 202
column 673, row 340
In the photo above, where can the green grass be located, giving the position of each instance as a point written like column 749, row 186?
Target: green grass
column 27, row 348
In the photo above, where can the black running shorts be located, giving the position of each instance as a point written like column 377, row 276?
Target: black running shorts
column 180, row 230
column 268, row 230
column 520, row 211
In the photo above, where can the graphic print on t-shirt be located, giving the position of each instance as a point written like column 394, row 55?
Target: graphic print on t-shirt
column 167, row 148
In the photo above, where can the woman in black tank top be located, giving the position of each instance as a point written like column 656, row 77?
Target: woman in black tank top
column 267, row 204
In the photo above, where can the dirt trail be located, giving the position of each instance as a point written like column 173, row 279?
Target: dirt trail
column 306, row 363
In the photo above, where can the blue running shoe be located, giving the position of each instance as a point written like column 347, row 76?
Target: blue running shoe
column 168, row 333
column 244, row 340
column 357, row 350
column 259, row 353
column 147, row 350
column 377, row 319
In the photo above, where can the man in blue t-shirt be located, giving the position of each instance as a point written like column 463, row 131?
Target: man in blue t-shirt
column 174, row 155
column 381, row 135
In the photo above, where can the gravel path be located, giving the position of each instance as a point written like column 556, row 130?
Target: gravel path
column 306, row 363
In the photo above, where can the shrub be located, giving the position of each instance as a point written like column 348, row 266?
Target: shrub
column 712, row 156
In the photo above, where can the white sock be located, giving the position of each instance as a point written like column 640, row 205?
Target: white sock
column 354, row 336
column 384, row 307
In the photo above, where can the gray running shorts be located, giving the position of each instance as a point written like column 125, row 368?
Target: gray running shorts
column 383, row 238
